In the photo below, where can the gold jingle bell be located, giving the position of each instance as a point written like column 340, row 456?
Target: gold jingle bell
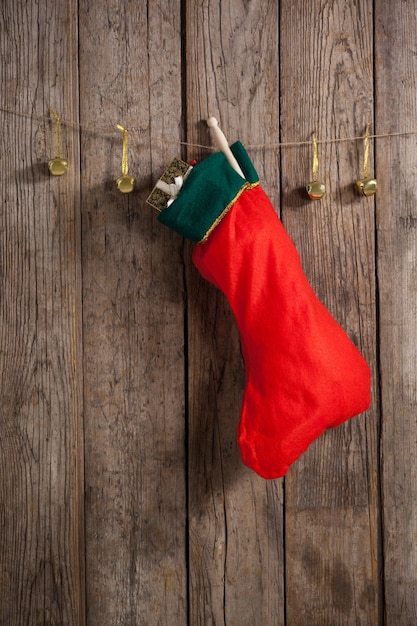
column 125, row 183
column 367, row 186
column 58, row 166
column 316, row 189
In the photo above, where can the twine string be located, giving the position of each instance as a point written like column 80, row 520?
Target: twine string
column 165, row 140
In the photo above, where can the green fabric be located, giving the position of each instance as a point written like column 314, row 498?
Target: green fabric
column 209, row 188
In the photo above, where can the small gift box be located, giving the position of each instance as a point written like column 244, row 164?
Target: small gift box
column 169, row 185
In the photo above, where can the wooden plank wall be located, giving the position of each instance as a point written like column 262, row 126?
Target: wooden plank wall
column 123, row 499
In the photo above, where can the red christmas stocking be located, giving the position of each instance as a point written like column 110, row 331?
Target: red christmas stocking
column 303, row 373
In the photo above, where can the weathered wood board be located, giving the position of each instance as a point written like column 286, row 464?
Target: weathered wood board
column 332, row 498
column 396, row 112
column 235, row 518
column 130, row 74
column 41, row 448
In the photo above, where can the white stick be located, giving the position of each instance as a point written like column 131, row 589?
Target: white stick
column 222, row 144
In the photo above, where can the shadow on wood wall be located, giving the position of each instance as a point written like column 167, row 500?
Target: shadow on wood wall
column 123, row 499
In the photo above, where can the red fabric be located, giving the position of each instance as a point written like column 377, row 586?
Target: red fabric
column 303, row 373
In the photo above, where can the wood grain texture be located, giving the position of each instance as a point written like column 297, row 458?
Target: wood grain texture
column 41, row 506
column 396, row 76
column 121, row 374
column 130, row 67
column 235, row 518
column 332, row 506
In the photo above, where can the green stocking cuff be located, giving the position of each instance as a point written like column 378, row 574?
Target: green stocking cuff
column 208, row 193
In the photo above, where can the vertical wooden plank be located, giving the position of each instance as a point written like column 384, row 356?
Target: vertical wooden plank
column 130, row 68
column 235, row 517
column 396, row 112
column 332, row 507
column 41, row 515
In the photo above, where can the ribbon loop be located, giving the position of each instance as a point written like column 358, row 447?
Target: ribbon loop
column 315, row 167
column 125, row 162
column 172, row 189
column 56, row 133
column 366, row 153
